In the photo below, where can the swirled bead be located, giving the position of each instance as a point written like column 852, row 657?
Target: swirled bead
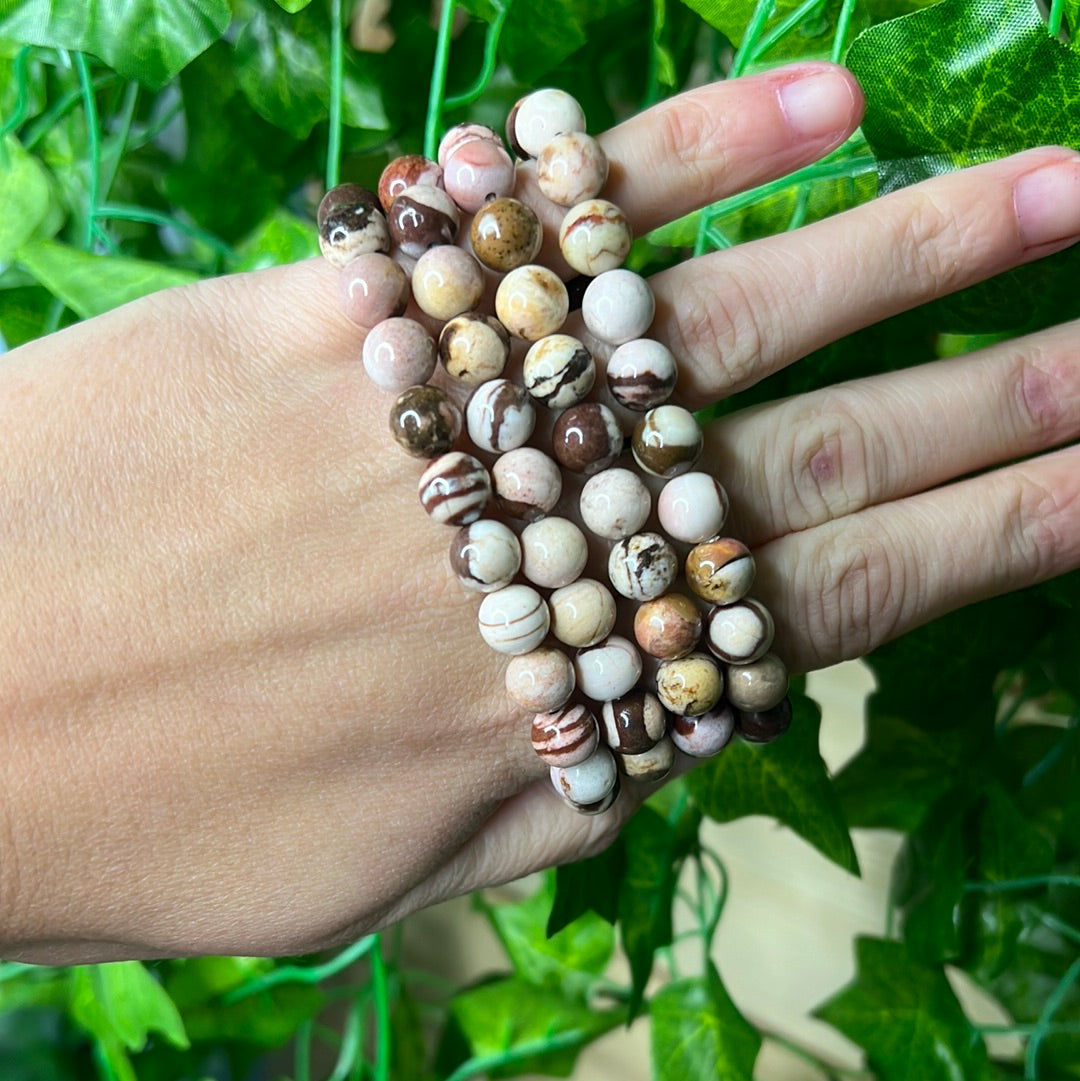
column 571, row 168
column 422, row 217
column 721, row 570
column 641, row 374
column 424, row 421
column 527, row 483
column 582, row 613
column 407, row 171
column 667, row 441
column 460, row 134
column 474, row 348
column 565, row 737
column 739, row 633
column 485, row 555
column 614, row 503
column 759, row 685
column 447, row 281
column 538, row 117
column 642, row 566
column 506, row 234
column 372, row 287
column 618, row 306
column 689, row 685
column 351, row 223
column 692, row 507
column 398, row 353
column 558, row 371
column 542, row 680
column 513, row 619
column 455, row 489
column 633, row 722
column 477, row 171
column 586, row 438
column 607, row 670
column 594, row 236
column 554, row 552
column 651, row 765
column 531, row 302
column 705, row 735
column 763, row 726
column 589, row 782
column 667, row 627
column 500, row 416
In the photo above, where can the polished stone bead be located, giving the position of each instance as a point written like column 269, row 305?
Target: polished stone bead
column 474, row 348
column 478, row 171
column 642, row 566
column 542, row 680
column 528, row 483
column 485, row 555
column 586, row 438
column 398, row 353
column 506, row 234
column 739, row 633
column 500, row 416
column 531, row 302
column 668, row 627
column 760, row 685
column 538, row 117
column 372, row 287
column 706, row 734
column 594, row 236
column 565, row 737
column 513, row 619
column 651, row 765
column 588, row 783
column 618, row 306
column 666, row 441
column 582, row 613
column 633, row 722
column 641, row 374
column 554, row 552
column 423, row 217
column 614, row 503
column 689, row 685
column 407, row 171
column 424, row 421
column 609, row 669
column 351, row 223
column 763, row 726
column 693, row 507
column 460, row 134
column 447, row 281
column 455, row 489
column 571, row 168
column 721, row 570
column 558, row 371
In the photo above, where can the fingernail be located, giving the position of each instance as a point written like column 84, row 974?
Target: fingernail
column 1047, row 203
column 818, row 104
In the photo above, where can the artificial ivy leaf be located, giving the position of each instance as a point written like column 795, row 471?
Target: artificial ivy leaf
column 293, row 6
column 196, row 980
column 698, row 1033
column 591, row 884
column 24, row 315
column 1010, row 846
column 786, row 780
column 92, row 284
column 281, row 238
column 24, row 195
column 146, row 40
column 267, row 1019
column 538, row 35
column 812, row 36
column 907, row 1019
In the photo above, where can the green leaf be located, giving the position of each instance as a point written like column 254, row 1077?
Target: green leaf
column 146, row 40
column 24, row 315
column 293, row 6
column 588, row 885
column 786, row 780
column 268, row 1019
column 907, row 1019
column 24, row 196
column 1010, row 846
column 92, row 284
column 538, row 35
column 698, row 1033
column 280, row 238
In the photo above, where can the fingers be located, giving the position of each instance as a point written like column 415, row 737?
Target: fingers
column 736, row 316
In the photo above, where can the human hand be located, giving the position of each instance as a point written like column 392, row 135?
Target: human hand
column 248, row 710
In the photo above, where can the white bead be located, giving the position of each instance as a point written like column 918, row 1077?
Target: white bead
column 642, row 566
column 554, row 552
column 705, row 735
column 527, row 482
column 514, row 620
column 693, row 507
column 589, row 781
column 541, row 115
column 500, row 416
column 614, row 503
column 618, row 306
column 740, row 633
column 608, row 670
column 485, row 555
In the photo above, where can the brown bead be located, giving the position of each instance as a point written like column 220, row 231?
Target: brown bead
column 668, row 627
column 634, row 723
column 667, row 441
column 586, row 438
column 721, row 570
column 405, row 172
column 424, row 421
column 565, row 737
column 422, row 217
column 351, row 223
column 763, row 726
column 760, row 685
column 506, row 234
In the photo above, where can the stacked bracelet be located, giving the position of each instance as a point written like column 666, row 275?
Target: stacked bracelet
column 597, row 714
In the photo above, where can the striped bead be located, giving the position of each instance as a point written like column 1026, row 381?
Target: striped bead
column 455, row 488
column 566, row 737
column 514, row 620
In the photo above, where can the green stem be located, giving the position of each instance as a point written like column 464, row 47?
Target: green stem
column 337, row 82
column 120, row 140
column 1062, row 1028
column 802, row 206
column 122, row 212
column 437, row 91
column 1066, row 930
column 351, row 1044
column 303, row 1050
column 93, row 141
column 762, row 13
column 560, row 1041
column 22, row 61
column 382, row 1012
column 652, row 85
column 783, row 28
column 843, row 29
column 304, row 974
column 64, row 104
column 1057, row 10
column 491, row 56
column 1042, row 1026
column 1032, row 882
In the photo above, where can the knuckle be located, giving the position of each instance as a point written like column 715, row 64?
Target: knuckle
column 1038, row 529
column 931, row 240
column 1036, row 377
column 691, row 134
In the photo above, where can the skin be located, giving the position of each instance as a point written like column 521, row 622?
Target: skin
column 245, row 707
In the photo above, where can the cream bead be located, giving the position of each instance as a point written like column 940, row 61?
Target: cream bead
column 692, row 507
column 690, row 685
column 608, row 669
column 614, row 503
column 541, row 681
column 739, row 633
column 513, row 620
column 554, row 552
column 582, row 613
column 485, row 555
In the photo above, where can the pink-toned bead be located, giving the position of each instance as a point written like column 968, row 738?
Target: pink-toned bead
column 565, row 736
column 571, row 168
column 541, row 681
column 641, row 374
column 586, row 438
column 739, row 633
column 527, row 482
column 460, row 134
column 614, row 503
column 455, row 489
column 447, row 281
column 668, row 627
column 705, row 735
column 477, row 171
column 398, row 353
column 422, row 217
column 372, row 287
column 693, row 508
column 405, row 172
column 618, row 306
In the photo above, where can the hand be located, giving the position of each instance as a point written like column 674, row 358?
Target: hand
column 245, row 705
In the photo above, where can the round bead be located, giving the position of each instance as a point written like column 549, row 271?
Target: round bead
column 618, row 306
column 372, row 287
column 558, row 371
column 608, row 669
column 527, row 482
column 506, row 234
column 477, row 171
column 500, row 416
column 667, row 440
column 447, row 281
column 651, row 765
column 571, row 168
column 614, row 503
column 692, row 508
column 538, row 117
column 424, row 421
column 514, row 619
column 641, row 374
column 422, row 217
column 532, row 301
column 721, row 570
column 565, row 736
column 406, row 172
column 689, row 685
column 739, row 633
column 398, row 353
column 705, row 735
column 760, row 685
column 633, row 723
column 588, row 782
column 541, row 681
column 642, row 566
column 586, row 438
column 764, row 726
column 554, row 552
column 455, row 489
column 582, row 613
column 485, row 555
column 474, row 348
column 668, row 627
column 351, row 223
column 594, row 236
column 460, row 134
column 599, row 806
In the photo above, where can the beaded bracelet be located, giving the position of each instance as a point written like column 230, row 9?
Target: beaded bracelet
column 595, row 716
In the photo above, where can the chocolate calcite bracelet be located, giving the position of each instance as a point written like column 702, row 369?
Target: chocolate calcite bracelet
column 613, row 694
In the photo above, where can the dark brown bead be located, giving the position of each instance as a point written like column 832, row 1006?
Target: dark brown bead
column 425, row 422
column 586, row 438
column 422, row 217
column 763, row 726
column 351, row 223
column 405, row 172
column 634, row 723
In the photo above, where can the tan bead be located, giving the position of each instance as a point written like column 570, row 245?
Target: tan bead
column 582, row 613
column 541, row 681
column 651, row 765
column 474, row 348
column 506, row 234
column 668, row 627
column 690, row 685
column 757, row 686
column 531, row 302
column 721, row 571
